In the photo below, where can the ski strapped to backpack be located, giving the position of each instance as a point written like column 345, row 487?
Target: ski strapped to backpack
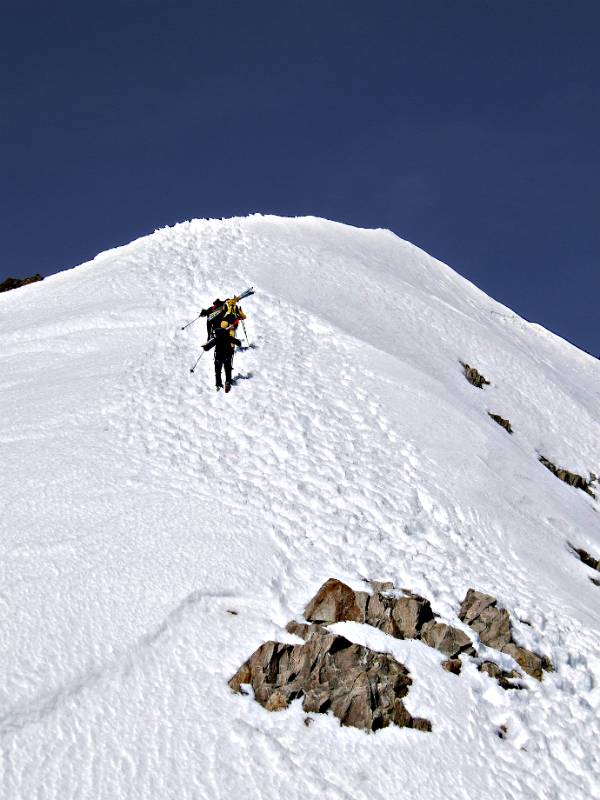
column 235, row 299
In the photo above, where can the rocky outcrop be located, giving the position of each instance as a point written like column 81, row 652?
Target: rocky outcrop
column 572, row 478
column 363, row 688
column 588, row 560
column 453, row 665
column 505, row 679
column 406, row 617
column 481, row 613
column 336, row 602
column 15, row 283
column 474, row 377
column 504, row 423
column 448, row 640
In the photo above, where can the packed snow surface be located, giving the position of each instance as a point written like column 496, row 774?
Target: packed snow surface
column 139, row 508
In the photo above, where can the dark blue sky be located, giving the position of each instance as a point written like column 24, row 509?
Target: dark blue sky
column 470, row 128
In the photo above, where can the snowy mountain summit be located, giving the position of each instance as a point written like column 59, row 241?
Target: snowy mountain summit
column 403, row 475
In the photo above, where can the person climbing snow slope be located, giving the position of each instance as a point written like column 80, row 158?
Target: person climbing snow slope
column 234, row 309
column 224, row 342
column 213, row 323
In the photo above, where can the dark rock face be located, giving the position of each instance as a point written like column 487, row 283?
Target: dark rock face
column 15, row 283
column 572, row 478
column 505, row 679
column 479, row 611
column 401, row 617
column 530, row 662
column 361, row 687
column 474, row 377
column 407, row 617
column 449, row 641
column 336, row 602
column 587, row 559
column 453, row 665
column 504, row 423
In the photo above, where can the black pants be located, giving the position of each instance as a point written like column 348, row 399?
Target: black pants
column 223, row 362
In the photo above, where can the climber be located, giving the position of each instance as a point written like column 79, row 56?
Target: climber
column 213, row 323
column 224, row 342
column 236, row 310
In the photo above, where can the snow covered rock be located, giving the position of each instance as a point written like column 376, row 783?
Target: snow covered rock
column 571, row 478
column 16, row 283
column 362, row 688
column 336, row 602
column 480, row 612
column 448, row 640
column 504, row 423
column 506, row 679
column 491, row 623
column 588, row 560
column 474, row 377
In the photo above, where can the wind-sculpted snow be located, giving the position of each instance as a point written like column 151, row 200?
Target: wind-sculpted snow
column 140, row 507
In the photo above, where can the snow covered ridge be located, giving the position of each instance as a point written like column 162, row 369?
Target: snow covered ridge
column 154, row 534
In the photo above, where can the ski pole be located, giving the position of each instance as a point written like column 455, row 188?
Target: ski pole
column 245, row 334
column 192, row 322
column 197, row 360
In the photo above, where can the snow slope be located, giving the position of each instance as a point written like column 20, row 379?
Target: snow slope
column 139, row 507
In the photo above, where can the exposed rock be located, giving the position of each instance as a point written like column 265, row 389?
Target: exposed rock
column 449, row 641
column 473, row 604
column 505, row 679
column 587, row 559
column 407, row 617
column 15, row 283
column 547, row 664
column 493, row 627
column 479, row 611
column 361, row 687
column 410, row 614
column 336, row 602
column 504, row 423
column 474, row 377
column 421, row 724
column 528, row 661
column 379, row 613
column 502, row 732
column 304, row 630
column 382, row 587
column 453, row 665
column 572, row 478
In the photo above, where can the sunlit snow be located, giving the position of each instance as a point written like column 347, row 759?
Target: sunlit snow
column 139, row 507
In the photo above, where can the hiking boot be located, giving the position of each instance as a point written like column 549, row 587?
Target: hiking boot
column 219, row 386
column 227, row 387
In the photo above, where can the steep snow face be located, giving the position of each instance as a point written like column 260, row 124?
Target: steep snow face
column 140, row 508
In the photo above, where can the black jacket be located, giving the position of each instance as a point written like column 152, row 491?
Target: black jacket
column 224, row 344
